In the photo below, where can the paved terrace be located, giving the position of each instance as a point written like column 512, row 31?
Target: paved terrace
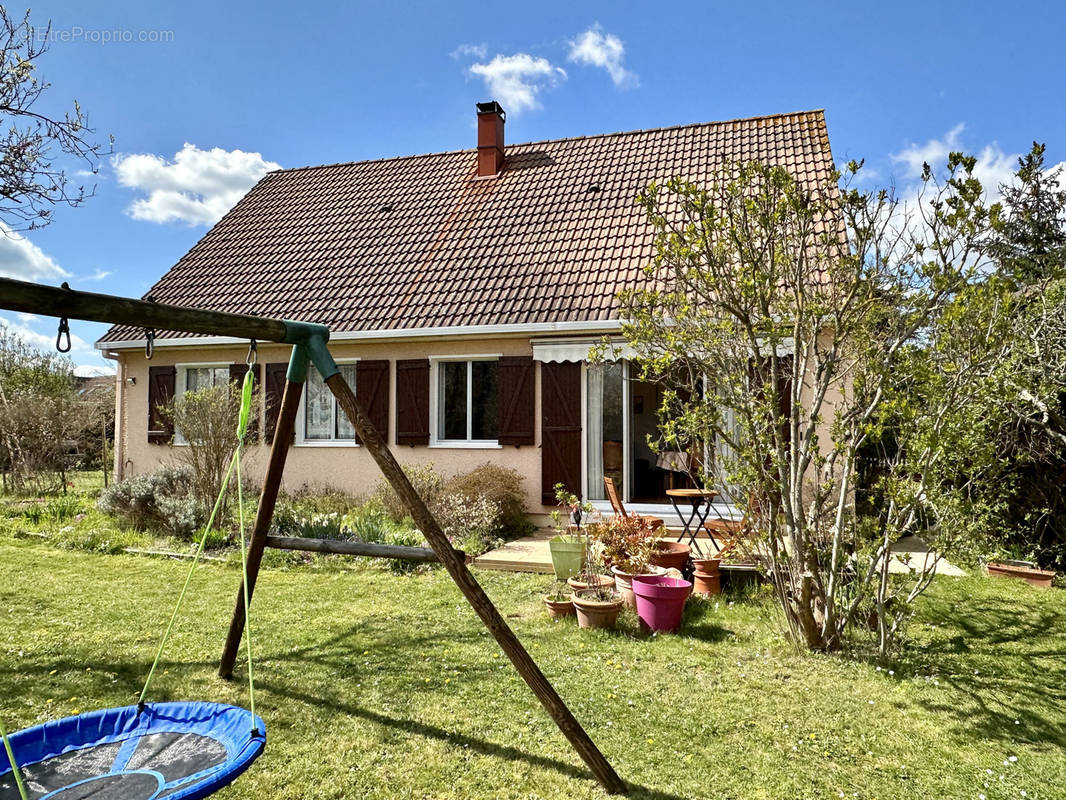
column 530, row 554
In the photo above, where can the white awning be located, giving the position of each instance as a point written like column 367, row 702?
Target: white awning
column 559, row 350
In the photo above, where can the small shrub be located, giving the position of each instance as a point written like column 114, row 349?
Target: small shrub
column 294, row 511
column 501, row 486
column 160, row 501
column 62, row 508
column 470, row 524
column 369, row 523
column 426, row 481
column 33, row 514
column 624, row 542
column 405, row 537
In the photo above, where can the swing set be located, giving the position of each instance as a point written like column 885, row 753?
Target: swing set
column 189, row 750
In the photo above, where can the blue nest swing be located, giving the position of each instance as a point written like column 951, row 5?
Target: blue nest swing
column 177, row 751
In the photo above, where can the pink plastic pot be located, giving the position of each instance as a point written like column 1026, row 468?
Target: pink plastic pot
column 661, row 601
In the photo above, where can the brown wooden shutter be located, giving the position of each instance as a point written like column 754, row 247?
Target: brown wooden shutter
column 560, row 455
column 515, row 391
column 274, row 383
column 161, row 382
column 412, row 401
column 372, row 392
column 236, row 375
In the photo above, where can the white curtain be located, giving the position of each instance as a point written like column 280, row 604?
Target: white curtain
column 594, row 428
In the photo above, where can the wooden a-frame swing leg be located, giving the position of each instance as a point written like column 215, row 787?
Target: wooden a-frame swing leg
column 279, row 450
column 472, row 590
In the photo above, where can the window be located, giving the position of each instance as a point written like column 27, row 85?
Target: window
column 324, row 420
column 467, row 401
column 197, row 378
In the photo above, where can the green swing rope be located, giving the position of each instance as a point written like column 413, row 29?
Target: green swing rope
column 14, row 767
column 234, row 465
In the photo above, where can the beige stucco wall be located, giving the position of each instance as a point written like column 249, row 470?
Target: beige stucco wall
column 346, row 467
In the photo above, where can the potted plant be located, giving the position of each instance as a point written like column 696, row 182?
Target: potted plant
column 707, row 575
column 598, row 605
column 579, row 582
column 661, row 601
column 557, row 600
column 568, row 547
column 671, row 555
column 1020, row 569
column 625, row 546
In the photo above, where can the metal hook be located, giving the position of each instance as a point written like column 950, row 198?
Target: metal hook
column 252, row 353
column 149, row 343
column 64, row 330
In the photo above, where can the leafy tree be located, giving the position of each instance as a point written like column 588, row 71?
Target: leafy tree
column 1029, row 248
column 206, row 421
column 1030, row 243
column 32, row 142
column 40, row 417
column 797, row 322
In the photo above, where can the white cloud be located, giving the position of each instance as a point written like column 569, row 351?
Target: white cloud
column 605, row 50
column 99, row 275
column 515, row 81
column 196, row 187
column 44, row 341
column 478, row 51
column 22, row 259
column 994, row 166
column 82, row 353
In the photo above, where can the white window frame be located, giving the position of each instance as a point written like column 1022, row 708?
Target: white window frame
column 627, row 449
column 301, row 418
column 181, row 386
column 664, row 511
column 434, row 404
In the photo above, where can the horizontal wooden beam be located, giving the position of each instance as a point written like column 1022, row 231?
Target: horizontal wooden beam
column 346, row 548
column 51, row 301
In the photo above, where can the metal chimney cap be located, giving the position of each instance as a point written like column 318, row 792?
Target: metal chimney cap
column 491, row 107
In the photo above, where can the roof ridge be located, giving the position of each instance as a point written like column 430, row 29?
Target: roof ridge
column 804, row 113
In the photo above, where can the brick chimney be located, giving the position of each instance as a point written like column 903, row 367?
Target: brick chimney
column 490, row 154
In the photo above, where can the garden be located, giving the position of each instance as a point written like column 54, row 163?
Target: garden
column 383, row 685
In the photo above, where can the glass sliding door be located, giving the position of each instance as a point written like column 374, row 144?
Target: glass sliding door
column 605, row 428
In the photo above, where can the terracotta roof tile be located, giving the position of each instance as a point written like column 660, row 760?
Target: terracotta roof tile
column 416, row 242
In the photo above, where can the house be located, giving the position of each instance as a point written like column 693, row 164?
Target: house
column 463, row 291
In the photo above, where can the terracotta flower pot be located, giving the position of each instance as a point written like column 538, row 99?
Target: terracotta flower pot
column 671, row 555
column 593, row 613
column 623, row 581
column 557, row 609
column 707, row 578
column 577, row 584
column 1040, row 578
column 567, row 556
column 661, row 601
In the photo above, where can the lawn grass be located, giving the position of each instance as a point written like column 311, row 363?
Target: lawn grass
column 382, row 686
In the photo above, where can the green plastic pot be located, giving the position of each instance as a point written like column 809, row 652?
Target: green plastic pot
column 568, row 557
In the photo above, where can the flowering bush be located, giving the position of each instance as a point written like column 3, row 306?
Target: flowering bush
column 469, row 523
column 624, row 542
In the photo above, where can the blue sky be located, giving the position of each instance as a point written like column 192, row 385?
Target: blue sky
column 203, row 97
